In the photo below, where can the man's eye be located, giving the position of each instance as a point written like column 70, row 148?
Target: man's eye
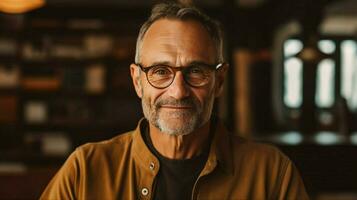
column 161, row 71
column 196, row 70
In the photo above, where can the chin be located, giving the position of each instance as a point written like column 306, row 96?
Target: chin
column 176, row 131
column 176, row 125
column 178, row 119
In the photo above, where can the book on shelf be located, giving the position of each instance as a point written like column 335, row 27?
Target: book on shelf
column 95, row 79
column 8, row 109
column 48, row 143
column 33, row 52
column 98, row 45
column 41, row 83
column 67, row 52
column 71, row 111
column 9, row 76
column 56, row 144
column 7, row 167
column 67, row 48
column 8, row 47
column 35, row 112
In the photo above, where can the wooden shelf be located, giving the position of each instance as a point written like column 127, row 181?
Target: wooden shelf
column 61, row 87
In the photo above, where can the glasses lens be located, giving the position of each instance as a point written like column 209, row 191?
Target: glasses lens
column 197, row 75
column 160, row 76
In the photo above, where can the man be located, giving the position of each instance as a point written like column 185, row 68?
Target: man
column 179, row 151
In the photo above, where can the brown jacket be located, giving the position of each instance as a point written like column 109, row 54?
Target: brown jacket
column 124, row 168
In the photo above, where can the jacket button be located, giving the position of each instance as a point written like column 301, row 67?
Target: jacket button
column 145, row 191
column 152, row 166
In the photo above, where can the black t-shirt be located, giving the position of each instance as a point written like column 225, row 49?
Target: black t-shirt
column 176, row 178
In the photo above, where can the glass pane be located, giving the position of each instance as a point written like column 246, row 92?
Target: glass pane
column 327, row 46
column 354, row 138
column 328, row 138
column 293, row 82
column 292, row 47
column 291, row 138
column 325, row 83
column 349, row 72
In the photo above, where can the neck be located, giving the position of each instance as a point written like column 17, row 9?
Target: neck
column 180, row 147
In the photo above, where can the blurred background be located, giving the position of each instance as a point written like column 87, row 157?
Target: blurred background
column 64, row 81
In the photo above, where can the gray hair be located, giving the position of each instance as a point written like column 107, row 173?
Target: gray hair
column 173, row 10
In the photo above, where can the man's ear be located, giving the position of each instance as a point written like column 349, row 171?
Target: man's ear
column 220, row 77
column 135, row 75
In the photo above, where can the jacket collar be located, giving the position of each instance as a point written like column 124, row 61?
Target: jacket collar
column 220, row 153
column 141, row 151
column 221, row 148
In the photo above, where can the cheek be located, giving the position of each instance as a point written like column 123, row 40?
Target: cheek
column 210, row 91
column 210, row 98
column 150, row 95
column 204, row 95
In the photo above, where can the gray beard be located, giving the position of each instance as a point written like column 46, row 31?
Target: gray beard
column 190, row 125
column 192, row 118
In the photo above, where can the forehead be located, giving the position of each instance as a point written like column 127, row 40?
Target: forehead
column 177, row 42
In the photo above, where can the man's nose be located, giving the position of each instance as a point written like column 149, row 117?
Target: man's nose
column 179, row 89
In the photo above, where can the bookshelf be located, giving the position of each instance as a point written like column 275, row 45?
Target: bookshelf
column 64, row 81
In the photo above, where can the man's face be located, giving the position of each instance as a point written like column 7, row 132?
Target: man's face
column 178, row 109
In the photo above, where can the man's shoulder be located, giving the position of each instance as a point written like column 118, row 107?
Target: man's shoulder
column 249, row 148
column 115, row 145
column 245, row 148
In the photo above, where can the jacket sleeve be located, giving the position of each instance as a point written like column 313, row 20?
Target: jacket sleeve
column 65, row 184
column 291, row 184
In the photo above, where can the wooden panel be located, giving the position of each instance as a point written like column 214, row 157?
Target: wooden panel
column 28, row 185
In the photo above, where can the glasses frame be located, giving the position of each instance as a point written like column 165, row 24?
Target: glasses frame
column 214, row 67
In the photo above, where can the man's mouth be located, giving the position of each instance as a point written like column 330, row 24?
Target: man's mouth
column 176, row 107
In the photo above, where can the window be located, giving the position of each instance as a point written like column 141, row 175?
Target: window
column 349, row 72
column 336, row 79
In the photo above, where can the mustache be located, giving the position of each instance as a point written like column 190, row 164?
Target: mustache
column 187, row 102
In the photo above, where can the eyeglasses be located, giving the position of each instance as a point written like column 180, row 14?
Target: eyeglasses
column 161, row 76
